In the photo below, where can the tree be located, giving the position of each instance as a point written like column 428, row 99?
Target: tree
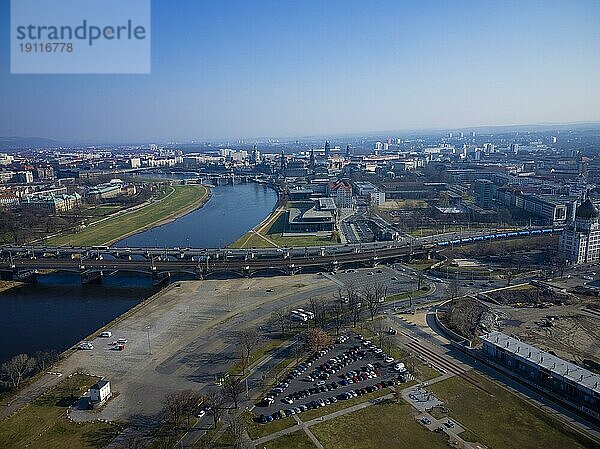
column 15, row 370
column 338, row 315
column 355, row 305
column 318, row 309
column 280, row 318
column 232, row 389
column 237, row 430
column 247, row 340
column 316, row 339
column 190, row 401
column 216, row 405
column 375, row 294
column 454, row 289
column 45, row 359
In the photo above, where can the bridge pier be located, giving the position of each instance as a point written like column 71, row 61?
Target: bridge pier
column 91, row 277
column 159, row 279
column 292, row 270
column 27, row 276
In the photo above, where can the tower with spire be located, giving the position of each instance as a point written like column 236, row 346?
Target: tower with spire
column 327, row 149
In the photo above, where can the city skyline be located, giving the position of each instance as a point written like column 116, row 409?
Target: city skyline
column 258, row 69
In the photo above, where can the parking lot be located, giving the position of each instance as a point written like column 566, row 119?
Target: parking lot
column 350, row 368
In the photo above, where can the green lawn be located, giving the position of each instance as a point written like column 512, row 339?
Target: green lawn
column 296, row 440
column 503, row 420
column 44, row 425
column 180, row 198
column 388, row 425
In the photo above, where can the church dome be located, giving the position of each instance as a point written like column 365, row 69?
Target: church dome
column 587, row 210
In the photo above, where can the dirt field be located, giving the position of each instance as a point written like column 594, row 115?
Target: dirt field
column 571, row 331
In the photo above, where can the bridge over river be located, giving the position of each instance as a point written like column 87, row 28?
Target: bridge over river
column 24, row 262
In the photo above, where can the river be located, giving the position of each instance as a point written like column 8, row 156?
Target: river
column 56, row 312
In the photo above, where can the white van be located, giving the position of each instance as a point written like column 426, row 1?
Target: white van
column 106, row 334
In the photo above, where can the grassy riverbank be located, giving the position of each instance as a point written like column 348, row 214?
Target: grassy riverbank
column 178, row 201
column 270, row 234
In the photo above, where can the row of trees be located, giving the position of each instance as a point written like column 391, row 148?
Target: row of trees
column 180, row 408
column 350, row 306
column 22, row 366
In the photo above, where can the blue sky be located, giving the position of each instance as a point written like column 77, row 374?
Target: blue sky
column 293, row 68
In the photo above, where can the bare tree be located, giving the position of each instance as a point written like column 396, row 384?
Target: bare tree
column 247, row 340
column 454, row 289
column 15, row 370
column 355, row 304
column 338, row 315
column 316, row 339
column 190, row 401
column 317, row 307
column 237, row 430
column 280, row 318
column 216, row 405
column 374, row 294
column 45, row 359
column 232, row 389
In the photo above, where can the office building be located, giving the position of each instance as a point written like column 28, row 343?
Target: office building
column 579, row 243
column 484, row 193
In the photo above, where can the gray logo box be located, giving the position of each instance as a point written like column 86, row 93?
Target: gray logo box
column 80, row 36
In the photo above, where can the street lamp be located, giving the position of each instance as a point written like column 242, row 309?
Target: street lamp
column 148, row 333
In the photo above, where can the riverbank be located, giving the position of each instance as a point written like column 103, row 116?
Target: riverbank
column 270, row 234
column 180, row 201
column 9, row 285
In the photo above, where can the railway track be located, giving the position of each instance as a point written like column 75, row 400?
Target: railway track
column 444, row 363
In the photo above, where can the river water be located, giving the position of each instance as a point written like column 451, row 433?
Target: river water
column 58, row 311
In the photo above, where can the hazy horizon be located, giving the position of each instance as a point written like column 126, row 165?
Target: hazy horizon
column 244, row 70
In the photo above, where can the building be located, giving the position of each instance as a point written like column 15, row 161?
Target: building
column 363, row 188
column 312, row 217
column 341, row 192
column 377, row 198
column 6, row 159
column 546, row 371
column 484, row 193
column 135, row 162
column 552, row 209
column 51, row 203
column 580, row 241
column 100, row 391
column 327, row 150
column 105, row 191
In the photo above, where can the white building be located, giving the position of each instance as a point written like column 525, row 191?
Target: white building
column 377, row 198
column 100, row 391
column 580, row 241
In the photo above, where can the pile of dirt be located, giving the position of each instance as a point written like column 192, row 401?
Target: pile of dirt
column 530, row 296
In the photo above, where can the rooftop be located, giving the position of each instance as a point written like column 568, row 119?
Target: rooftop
column 545, row 360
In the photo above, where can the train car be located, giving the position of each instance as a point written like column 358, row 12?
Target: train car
column 536, row 231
